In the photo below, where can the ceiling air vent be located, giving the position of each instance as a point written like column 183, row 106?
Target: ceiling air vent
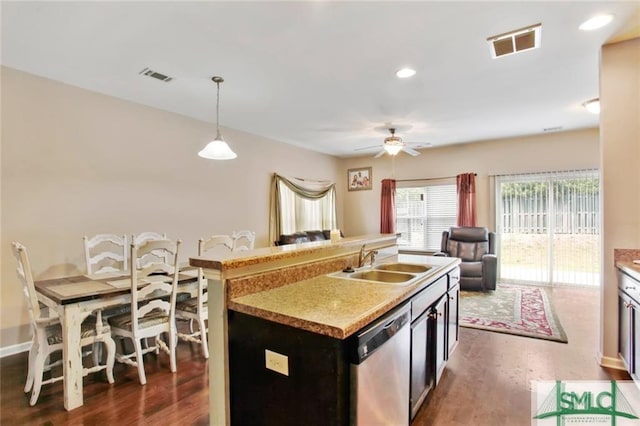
column 156, row 75
column 515, row 41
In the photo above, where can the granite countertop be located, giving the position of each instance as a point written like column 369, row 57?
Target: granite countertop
column 334, row 306
column 630, row 268
column 266, row 255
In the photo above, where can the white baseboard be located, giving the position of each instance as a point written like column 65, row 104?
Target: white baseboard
column 606, row 361
column 14, row 349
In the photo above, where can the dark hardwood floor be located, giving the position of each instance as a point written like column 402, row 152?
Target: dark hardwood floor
column 486, row 381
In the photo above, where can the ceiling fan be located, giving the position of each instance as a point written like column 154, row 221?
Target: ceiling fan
column 393, row 144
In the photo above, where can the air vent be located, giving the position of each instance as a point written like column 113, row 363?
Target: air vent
column 156, row 75
column 515, row 41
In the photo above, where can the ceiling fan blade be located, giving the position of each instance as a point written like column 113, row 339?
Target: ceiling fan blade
column 419, row 144
column 410, row 151
column 380, row 154
column 366, row 147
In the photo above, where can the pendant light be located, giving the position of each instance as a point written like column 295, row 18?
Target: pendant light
column 217, row 149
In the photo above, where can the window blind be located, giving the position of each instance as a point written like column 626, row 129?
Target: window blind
column 423, row 213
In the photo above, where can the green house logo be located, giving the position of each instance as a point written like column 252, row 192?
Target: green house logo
column 591, row 402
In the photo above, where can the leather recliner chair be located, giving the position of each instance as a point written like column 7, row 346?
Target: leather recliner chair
column 476, row 247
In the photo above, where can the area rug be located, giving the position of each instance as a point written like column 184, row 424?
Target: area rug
column 521, row 310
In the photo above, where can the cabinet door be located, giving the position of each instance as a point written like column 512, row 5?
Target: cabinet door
column 453, row 319
column 635, row 339
column 422, row 372
column 625, row 329
column 440, row 318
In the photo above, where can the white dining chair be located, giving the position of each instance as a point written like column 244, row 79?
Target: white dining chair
column 195, row 309
column 150, row 257
column 243, row 240
column 153, row 303
column 105, row 253
column 48, row 334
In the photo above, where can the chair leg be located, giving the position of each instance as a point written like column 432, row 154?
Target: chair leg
column 203, row 337
column 97, row 353
column 38, row 370
column 111, row 357
column 173, row 340
column 140, row 361
column 32, row 359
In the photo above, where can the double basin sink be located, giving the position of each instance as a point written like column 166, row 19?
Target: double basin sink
column 388, row 273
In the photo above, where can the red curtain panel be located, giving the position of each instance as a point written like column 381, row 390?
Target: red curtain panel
column 466, row 188
column 388, row 207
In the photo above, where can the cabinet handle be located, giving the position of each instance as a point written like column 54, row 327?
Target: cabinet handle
column 630, row 288
column 628, row 305
column 434, row 315
column 451, row 297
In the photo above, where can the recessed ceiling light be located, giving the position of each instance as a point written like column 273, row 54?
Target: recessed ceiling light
column 593, row 106
column 596, row 22
column 405, row 73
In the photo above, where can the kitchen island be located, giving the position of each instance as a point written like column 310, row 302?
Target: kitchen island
column 281, row 322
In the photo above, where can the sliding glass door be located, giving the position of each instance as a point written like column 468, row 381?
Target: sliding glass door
column 549, row 227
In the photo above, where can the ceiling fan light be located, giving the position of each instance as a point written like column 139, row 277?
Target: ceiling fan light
column 392, row 149
column 217, row 150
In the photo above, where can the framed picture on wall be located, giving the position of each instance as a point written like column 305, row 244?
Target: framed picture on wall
column 359, row 179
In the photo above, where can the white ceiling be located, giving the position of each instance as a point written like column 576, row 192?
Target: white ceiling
column 321, row 75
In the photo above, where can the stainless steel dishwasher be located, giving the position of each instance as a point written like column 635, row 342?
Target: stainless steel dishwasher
column 380, row 369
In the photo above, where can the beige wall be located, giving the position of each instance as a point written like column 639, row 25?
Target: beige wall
column 76, row 162
column 572, row 150
column 620, row 165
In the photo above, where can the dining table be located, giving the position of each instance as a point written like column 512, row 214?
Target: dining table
column 76, row 297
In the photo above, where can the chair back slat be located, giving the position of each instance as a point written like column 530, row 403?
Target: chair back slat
column 220, row 243
column 102, row 247
column 154, row 255
column 157, row 304
column 147, row 287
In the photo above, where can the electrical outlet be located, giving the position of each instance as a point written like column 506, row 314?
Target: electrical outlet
column 276, row 362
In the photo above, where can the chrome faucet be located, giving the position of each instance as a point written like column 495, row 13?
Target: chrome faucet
column 362, row 258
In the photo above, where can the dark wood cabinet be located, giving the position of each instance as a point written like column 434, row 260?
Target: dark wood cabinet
column 453, row 321
column 434, row 335
column 422, row 368
column 315, row 390
column 439, row 316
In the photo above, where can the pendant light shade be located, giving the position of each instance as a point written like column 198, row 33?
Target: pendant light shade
column 217, row 149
